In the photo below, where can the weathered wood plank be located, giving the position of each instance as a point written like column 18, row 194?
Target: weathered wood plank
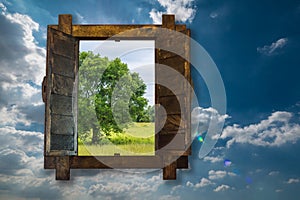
column 182, row 162
column 171, row 104
column 62, row 85
column 62, row 44
column 180, row 28
column 61, row 105
column 49, row 162
column 63, row 65
column 62, row 142
column 117, row 162
column 175, row 62
column 96, row 31
column 172, row 43
column 169, row 171
column 62, row 125
column 65, row 23
column 170, row 142
column 176, row 88
column 172, row 122
column 62, row 168
column 91, row 162
column 168, row 21
column 107, row 31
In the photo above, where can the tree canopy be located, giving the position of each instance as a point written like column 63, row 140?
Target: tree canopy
column 109, row 96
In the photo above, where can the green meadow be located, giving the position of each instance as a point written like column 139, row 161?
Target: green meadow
column 137, row 139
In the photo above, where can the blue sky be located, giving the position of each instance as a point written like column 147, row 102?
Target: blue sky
column 255, row 45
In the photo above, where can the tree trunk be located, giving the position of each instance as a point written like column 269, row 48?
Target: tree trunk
column 95, row 137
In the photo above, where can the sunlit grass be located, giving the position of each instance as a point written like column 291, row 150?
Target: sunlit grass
column 111, row 149
column 137, row 139
column 141, row 129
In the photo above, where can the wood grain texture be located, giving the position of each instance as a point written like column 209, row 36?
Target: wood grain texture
column 168, row 21
column 62, row 44
column 169, row 172
column 117, row 162
column 62, row 168
column 171, row 103
column 62, row 125
column 91, row 162
column 101, row 32
column 61, row 105
column 62, row 65
column 175, row 62
column 62, row 142
column 62, row 85
column 65, row 23
column 171, row 142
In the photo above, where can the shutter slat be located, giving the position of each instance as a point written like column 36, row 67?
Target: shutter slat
column 63, row 66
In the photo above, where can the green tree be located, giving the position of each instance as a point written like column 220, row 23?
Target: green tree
column 90, row 66
column 110, row 96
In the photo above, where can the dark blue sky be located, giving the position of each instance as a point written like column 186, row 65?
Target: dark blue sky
column 254, row 44
column 255, row 83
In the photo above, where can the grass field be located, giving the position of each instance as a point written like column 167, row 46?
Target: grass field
column 138, row 139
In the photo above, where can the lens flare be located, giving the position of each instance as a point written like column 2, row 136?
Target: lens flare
column 248, row 180
column 227, row 163
column 200, row 138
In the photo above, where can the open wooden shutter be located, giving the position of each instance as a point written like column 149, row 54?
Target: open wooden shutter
column 174, row 138
column 62, row 61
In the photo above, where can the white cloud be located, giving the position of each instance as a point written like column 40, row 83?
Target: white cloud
column 21, row 155
column 3, row 8
column 213, row 159
column 184, row 10
column 219, row 174
column 11, row 116
column 292, row 180
column 203, row 117
column 216, row 155
column 273, row 48
column 169, row 197
column 22, row 175
column 273, row 173
column 203, row 183
column 221, row 188
column 22, row 64
column 213, row 175
column 277, row 130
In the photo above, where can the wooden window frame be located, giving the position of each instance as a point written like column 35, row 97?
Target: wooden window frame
column 63, row 161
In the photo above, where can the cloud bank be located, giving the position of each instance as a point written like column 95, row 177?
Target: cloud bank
column 184, row 10
column 277, row 130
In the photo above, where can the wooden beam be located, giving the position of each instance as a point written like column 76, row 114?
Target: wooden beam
column 65, row 23
column 62, row 168
column 169, row 172
column 168, row 21
column 107, row 162
column 102, row 32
